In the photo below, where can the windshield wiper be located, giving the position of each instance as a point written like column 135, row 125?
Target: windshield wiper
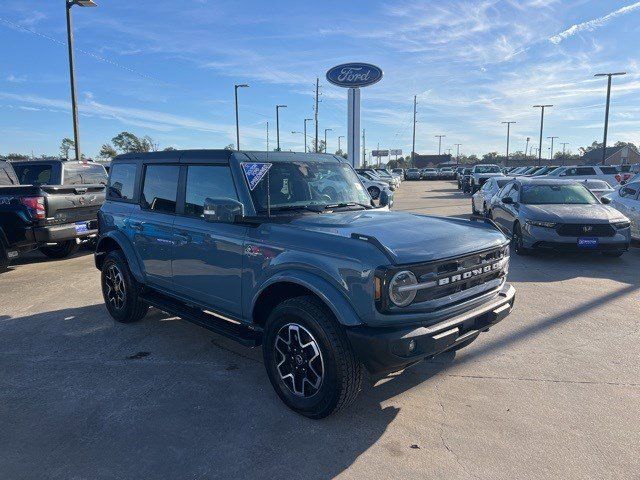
column 288, row 208
column 347, row 204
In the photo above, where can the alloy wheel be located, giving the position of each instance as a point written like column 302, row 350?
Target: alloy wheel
column 114, row 282
column 299, row 360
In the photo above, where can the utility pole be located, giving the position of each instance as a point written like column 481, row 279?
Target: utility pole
column 305, row 133
column 457, row 153
column 606, row 112
column 267, row 136
column 413, row 147
column 564, row 147
column 506, row 162
column 339, row 137
column 526, row 147
column 278, row 107
column 72, row 77
column 551, row 151
column 378, row 157
column 315, row 116
column 542, row 107
column 236, row 87
column 364, row 150
column 440, row 137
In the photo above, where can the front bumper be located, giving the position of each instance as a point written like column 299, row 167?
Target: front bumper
column 387, row 349
column 549, row 239
column 68, row 231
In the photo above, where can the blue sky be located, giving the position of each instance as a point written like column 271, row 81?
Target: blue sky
column 167, row 69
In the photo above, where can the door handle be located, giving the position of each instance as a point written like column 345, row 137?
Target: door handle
column 182, row 238
column 137, row 226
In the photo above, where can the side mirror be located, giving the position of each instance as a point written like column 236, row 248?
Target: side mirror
column 605, row 200
column 222, row 210
column 507, row 201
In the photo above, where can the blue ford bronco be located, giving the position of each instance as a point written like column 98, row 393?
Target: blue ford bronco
column 288, row 251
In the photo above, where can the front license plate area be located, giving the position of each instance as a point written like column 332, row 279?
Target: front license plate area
column 588, row 242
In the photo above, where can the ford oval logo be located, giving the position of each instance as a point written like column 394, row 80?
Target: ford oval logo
column 351, row 75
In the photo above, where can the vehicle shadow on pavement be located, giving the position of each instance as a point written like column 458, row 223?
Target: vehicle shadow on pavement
column 37, row 257
column 85, row 397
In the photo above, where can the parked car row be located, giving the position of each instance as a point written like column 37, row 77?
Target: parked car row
column 430, row 173
column 51, row 205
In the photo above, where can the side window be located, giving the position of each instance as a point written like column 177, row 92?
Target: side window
column 585, row 171
column 122, row 178
column 93, row 175
column 160, row 188
column 206, row 181
column 515, row 193
column 487, row 186
column 570, row 172
column 504, row 190
column 609, row 170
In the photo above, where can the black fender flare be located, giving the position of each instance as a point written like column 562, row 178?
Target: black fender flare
column 107, row 242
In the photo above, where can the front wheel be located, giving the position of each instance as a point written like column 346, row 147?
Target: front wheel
column 61, row 250
column 516, row 241
column 309, row 359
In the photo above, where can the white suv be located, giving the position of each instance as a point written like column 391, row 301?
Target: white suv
column 608, row 173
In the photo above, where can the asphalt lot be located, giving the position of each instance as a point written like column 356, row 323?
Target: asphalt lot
column 551, row 392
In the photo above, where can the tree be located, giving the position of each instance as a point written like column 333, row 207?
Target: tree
column 66, row 145
column 107, row 151
column 169, row 149
column 231, row 146
column 127, row 142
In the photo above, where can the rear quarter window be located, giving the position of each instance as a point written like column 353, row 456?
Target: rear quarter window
column 609, row 170
column 122, row 178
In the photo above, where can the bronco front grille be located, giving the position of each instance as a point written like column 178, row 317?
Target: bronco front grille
column 585, row 230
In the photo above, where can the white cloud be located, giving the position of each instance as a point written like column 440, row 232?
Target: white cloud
column 593, row 24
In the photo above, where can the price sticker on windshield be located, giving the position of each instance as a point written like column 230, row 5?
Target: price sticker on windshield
column 254, row 172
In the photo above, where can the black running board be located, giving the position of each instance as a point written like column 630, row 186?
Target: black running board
column 211, row 321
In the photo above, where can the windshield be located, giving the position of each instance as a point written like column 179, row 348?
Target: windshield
column 301, row 183
column 555, row 172
column 487, row 169
column 556, row 195
column 597, row 185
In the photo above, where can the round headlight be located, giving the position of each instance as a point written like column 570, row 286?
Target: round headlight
column 398, row 295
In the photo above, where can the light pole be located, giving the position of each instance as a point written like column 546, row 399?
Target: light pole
column 551, row 154
column 606, row 112
column 440, row 137
column 506, row 162
column 235, row 88
column 542, row 107
column 564, row 149
column 305, row 132
column 72, row 77
column 325, row 138
column 526, row 147
column 457, row 153
column 339, row 137
column 278, row 107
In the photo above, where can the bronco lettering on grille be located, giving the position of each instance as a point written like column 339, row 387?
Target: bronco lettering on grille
column 470, row 274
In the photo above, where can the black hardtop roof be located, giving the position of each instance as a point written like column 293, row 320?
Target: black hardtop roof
column 221, row 155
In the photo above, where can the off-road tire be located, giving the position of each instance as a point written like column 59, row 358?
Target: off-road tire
column 61, row 250
column 133, row 307
column 342, row 372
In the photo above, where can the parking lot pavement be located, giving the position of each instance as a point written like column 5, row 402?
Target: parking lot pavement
column 551, row 392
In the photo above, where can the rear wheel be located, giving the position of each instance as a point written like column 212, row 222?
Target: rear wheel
column 4, row 259
column 120, row 290
column 309, row 359
column 61, row 250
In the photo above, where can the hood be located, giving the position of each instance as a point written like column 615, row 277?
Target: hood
column 408, row 238
column 572, row 213
column 489, row 175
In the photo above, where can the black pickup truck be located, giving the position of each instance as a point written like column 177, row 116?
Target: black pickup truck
column 48, row 204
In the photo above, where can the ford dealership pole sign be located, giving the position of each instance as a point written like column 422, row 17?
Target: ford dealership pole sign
column 353, row 76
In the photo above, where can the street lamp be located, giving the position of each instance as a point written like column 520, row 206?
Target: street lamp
column 325, row 138
column 236, row 87
column 305, row 132
column 551, row 150
column 339, row 137
column 278, row 107
column 72, row 78
column 606, row 112
column 440, row 137
column 457, row 153
column 506, row 162
column 542, row 107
